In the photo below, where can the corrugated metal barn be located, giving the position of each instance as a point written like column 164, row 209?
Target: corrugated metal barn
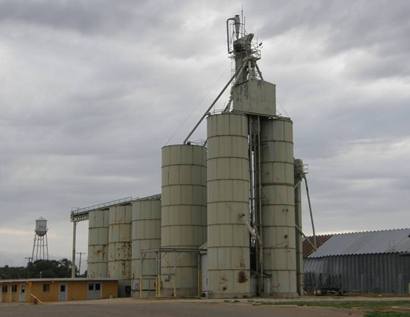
column 361, row 262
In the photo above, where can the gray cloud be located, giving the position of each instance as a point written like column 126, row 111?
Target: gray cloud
column 92, row 90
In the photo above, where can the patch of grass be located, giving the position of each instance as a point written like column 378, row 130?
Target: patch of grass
column 387, row 314
column 366, row 305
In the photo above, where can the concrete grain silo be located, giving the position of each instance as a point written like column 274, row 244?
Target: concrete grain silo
column 119, row 246
column 228, row 206
column 98, row 243
column 146, row 235
column 183, row 217
column 278, row 211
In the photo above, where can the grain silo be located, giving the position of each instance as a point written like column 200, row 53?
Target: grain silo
column 98, row 243
column 251, row 247
column 278, row 213
column 119, row 246
column 228, row 206
column 183, row 217
column 146, row 238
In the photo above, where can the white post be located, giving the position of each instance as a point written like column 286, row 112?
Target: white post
column 73, row 254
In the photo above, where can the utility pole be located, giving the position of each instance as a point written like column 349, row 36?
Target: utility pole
column 73, row 253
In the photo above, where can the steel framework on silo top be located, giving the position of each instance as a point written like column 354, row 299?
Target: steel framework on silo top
column 159, row 276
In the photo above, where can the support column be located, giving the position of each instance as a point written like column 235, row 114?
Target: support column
column 73, row 254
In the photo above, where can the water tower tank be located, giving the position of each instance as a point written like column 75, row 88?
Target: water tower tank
column 41, row 227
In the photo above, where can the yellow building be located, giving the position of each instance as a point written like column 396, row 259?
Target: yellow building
column 56, row 289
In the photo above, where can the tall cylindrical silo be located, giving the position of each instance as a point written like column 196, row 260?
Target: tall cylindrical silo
column 183, row 216
column 146, row 235
column 119, row 246
column 228, row 211
column 278, row 207
column 97, row 243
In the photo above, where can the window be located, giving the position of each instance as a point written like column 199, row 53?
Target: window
column 46, row 288
column 4, row 289
column 62, row 288
column 91, row 287
column 97, row 286
column 14, row 288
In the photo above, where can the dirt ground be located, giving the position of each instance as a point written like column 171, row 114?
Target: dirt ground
column 167, row 308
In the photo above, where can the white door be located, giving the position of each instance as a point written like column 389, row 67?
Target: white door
column 22, row 293
column 62, row 292
column 94, row 290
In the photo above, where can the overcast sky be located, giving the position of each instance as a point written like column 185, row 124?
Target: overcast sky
column 91, row 90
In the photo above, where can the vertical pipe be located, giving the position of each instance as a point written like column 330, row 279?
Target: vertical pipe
column 310, row 211
column 34, row 247
column 47, row 245
column 260, row 231
column 298, row 238
column 198, row 259
column 73, row 254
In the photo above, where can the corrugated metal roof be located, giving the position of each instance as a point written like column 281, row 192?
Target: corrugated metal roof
column 308, row 248
column 371, row 242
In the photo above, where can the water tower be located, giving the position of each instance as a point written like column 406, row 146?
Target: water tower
column 40, row 245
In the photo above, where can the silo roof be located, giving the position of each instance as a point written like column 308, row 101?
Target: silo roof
column 369, row 242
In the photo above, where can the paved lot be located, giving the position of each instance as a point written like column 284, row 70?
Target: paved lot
column 166, row 309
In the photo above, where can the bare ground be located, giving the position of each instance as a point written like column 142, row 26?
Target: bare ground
column 168, row 308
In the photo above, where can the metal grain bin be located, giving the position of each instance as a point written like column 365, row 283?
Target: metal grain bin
column 228, row 206
column 278, row 207
column 119, row 242
column 97, row 243
column 183, row 216
column 146, row 235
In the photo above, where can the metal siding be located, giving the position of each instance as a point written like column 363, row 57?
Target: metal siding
column 228, row 206
column 97, row 244
column 146, row 234
column 183, row 215
column 278, row 206
column 372, row 273
column 119, row 242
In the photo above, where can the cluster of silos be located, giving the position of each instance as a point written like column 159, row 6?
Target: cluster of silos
column 183, row 218
column 229, row 209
